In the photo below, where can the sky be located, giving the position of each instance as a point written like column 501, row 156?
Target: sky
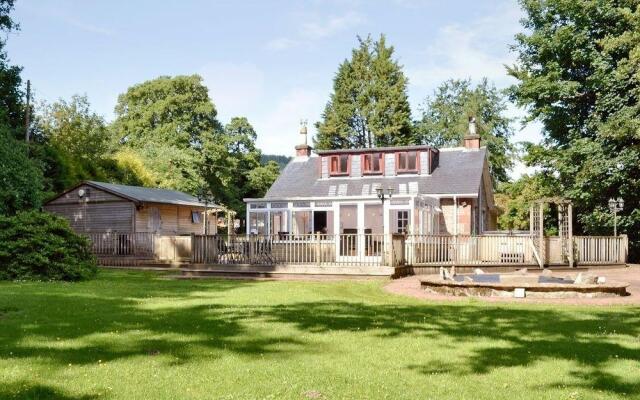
column 270, row 61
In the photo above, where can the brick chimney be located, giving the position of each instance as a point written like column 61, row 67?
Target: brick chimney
column 303, row 150
column 472, row 139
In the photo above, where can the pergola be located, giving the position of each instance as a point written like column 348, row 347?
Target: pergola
column 565, row 228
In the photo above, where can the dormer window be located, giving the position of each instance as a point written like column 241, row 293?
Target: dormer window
column 339, row 165
column 372, row 163
column 407, row 162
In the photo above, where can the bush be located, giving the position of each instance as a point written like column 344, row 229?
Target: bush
column 41, row 246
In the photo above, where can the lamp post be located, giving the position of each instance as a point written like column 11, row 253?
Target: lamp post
column 615, row 206
column 382, row 195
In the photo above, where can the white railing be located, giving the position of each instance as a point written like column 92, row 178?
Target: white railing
column 468, row 250
column 601, row 249
column 346, row 249
column 349, row 249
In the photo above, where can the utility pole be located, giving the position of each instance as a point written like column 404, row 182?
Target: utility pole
column 26, row 117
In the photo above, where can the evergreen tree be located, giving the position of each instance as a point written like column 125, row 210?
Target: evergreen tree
column 369, row 106
column 445, row 121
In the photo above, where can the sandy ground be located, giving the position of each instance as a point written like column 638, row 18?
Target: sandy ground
column 410, row 286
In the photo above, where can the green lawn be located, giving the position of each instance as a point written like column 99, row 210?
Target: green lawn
column 138, row 336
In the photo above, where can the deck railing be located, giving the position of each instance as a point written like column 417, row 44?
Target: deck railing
column 468, row 250
column 318, row 249
column 122, row 244
column 347, row 249
column 601, row 249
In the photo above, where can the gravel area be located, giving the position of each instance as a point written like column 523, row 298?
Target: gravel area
column 410, row 286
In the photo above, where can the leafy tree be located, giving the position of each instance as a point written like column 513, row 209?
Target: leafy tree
column 261, row 178
column 369, row 106
column 232, row 166
column 11, row 105
column 78, row 136
column 514, row 200
column 445, row 120
column 578, row 73
column 166, row 120
column 20, row 179
column 282, row 161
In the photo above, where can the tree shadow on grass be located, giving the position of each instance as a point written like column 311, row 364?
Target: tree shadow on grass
column 24, row 390
column 145, row 317
column 525, row 335
column 71, row 326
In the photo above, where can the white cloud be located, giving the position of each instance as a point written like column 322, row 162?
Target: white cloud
column 317, row 28
column 236, row 89
column 281, row 43
column 474, row 50
column 326, row 27
column 279, row 126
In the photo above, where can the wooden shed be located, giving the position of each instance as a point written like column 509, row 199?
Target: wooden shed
column 93, row 207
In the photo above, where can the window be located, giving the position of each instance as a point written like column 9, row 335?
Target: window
column 339, row 165
column 407, row 161
column 403, row 221
column 195, row 217
column 372, row 163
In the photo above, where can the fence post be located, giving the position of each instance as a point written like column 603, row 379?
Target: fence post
column 317, row 235
column 193, row 248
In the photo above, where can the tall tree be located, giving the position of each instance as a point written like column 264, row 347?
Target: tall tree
column 232, row 167
column 166, row 120
column 369, row 106
column 78, row 135
column 577, row 69
column 12, row 108
column 21, row 182
column 445, row 119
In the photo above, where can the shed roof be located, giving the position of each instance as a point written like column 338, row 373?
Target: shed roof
column 140, row 194
column 459, row 171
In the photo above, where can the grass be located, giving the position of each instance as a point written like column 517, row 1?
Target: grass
column 135, row 335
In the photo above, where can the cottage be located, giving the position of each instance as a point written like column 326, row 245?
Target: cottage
column 98, row 207
column 378, row 191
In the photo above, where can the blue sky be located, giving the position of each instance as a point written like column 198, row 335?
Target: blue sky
column 271, row 61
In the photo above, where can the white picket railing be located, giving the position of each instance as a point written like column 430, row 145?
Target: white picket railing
column 347, row 249
column 601, row 249
column 468, row 250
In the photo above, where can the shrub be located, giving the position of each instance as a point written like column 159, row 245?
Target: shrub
column 41, row 246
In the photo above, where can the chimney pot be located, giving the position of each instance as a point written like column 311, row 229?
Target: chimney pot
column 472, row 139
column 303, row 150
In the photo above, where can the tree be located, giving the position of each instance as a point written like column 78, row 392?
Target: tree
column 21, row 183
column 515, row 198
column 78, row 135
column 11, row 106
column 577, row 72
column 369, row 106
column 445, row 119
column 166, row 121
column 232, row 166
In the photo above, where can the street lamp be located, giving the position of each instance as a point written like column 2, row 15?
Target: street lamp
column 615, row 206
column 381, row 194
column 206, row 196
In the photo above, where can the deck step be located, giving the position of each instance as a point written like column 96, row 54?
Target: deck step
column 284, row 270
